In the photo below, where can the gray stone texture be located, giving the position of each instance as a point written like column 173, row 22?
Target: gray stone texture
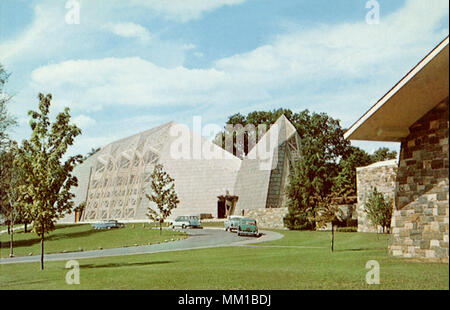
column 420, row 223
column 380, row 175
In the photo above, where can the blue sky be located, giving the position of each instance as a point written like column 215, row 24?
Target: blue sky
column 131, row 65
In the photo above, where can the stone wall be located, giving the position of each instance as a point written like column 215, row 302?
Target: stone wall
column 268, row 217
column 420, row 223
column 381, row 175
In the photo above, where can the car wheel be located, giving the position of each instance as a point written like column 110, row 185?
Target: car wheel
column 183, row 226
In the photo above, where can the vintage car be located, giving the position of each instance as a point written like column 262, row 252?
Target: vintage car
column 186, row 221
column 108, row 224
column 247, row 226
column 232, row 223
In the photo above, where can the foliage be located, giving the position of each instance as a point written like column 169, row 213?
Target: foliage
column 325, row 212
column 379, row 209
column 383, row 153
column 163, row 195
column 298, row 221
column 91, row 152
column 345, row 181
column 48, row 179
column 6, row 120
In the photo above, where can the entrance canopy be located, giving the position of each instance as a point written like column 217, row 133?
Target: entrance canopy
column 425, row 86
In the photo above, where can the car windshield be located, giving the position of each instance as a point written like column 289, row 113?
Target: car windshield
column 180, row 218
column 194, row 218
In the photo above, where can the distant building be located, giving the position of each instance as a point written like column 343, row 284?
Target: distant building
column 415, row 112
column 208, row 179
column 380, row 175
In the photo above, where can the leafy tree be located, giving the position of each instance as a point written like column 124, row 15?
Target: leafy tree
column 345, row 181
column 6, row 120
column 91, row 152
column 323, row 145
column 163, row 195
column 379, row 209
column 48, row 179
column 383, row 153
column 326, row 212
column 12, row 177
column 246, row 136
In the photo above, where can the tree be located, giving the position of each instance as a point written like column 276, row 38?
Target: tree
column 91, row 152
column 12, row 177
column 163, row 195
column 379, row 209
column 326, row 212
column 345, row 181
column 6, row 120
column 315, row 171
column 383, row 153
column 48, row 179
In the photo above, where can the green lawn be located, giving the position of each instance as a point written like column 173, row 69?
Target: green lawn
column 281, row 264
column 75, row 237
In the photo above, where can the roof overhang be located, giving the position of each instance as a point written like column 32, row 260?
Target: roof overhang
column 424, row 87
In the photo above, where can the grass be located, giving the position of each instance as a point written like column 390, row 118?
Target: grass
column 72, row 238
column 287, row 263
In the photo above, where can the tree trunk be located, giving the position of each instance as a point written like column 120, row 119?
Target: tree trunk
column 9, row 228
column 42, row 252
column 11, row 243
column 160, row 228
column 25, row 228
column 332, row 237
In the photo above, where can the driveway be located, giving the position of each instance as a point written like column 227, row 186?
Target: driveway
column 198, row 239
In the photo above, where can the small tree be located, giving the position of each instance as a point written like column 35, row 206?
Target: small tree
column 379, row 210
column 48, row 179
column 163, row 195
column 326, row 212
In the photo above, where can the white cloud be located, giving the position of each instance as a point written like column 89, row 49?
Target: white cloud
column 189, row 46
column 365, row 59
column 32, row 37
column 129, row 30
column 83, row 121
column 184, row 10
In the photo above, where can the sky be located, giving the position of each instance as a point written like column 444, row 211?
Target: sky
column 123, row 67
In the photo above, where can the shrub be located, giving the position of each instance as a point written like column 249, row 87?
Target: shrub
column 379, row 210
column 298, row 222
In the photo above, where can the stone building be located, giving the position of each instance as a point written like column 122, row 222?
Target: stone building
column 415, row 112
column 380, row 175
column 208, row 179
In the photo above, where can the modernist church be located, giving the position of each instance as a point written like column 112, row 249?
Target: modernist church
column 213, row 182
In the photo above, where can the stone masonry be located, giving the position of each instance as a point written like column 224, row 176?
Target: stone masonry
column 268, row 217
column 380, row 175
column 420, row 223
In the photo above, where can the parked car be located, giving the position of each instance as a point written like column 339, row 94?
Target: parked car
column 232, row 223
column 108, row 224
column 186, row 221
column 247, row 226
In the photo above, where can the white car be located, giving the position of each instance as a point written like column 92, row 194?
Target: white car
column 186, row 221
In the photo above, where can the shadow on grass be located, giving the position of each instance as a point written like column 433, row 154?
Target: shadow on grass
column 119, row 265
column 360, row 249
column 34, row 239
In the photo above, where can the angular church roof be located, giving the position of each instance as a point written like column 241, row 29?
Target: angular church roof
column 266, row 163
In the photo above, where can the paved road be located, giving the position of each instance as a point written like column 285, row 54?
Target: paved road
column 198, row 239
